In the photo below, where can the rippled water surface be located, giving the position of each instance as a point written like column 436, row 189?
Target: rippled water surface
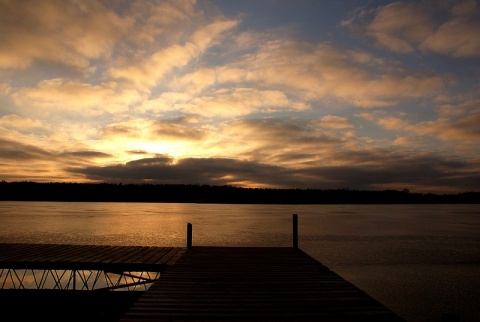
column 422, row 261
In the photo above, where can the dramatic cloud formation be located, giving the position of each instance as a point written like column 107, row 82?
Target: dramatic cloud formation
column 405, row 27
column 382, row 96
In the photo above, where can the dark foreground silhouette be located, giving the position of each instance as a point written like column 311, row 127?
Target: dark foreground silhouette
column 108, row 192
column 62, row 305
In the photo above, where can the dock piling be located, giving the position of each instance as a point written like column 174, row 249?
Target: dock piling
column 189, row 235
column 295, row 231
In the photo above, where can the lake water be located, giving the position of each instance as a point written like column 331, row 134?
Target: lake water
column 421, row 261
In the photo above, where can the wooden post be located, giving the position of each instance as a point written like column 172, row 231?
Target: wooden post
column 189, row 235
column 295, row 231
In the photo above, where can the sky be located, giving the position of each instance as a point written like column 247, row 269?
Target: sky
column 347, row 94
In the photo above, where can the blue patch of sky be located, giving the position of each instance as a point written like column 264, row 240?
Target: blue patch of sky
column 313, row 20
column 7, row 107
column 442, row 64
column 320, row 21
column 40, row 71
column 366, row 128
column 418, row 109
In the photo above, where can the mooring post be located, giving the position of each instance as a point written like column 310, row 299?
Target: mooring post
column 189, row 235
column 295, row 231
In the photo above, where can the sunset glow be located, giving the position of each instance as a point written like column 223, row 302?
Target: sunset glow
column 283, row 94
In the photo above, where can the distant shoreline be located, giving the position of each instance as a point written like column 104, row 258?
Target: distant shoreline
column 184, row 193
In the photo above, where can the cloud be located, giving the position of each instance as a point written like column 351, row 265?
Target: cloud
column 405, row 141
column 460, row 128
column 148, row 71
column 397, row 170
column 67, row 32
column 127, row 40
column 20, row 123
column 27, row 131
column 151, row 130
column 200, row 96
column 5, row 88
column 242, row 101
column 216, row 171
column 159, row 21
column 225, row 103
column 465, row 129
column 20, row 162
column 27, row 153
column 300, row 71
column 86, row 154
column 273, row 141
column 166, row 101
column 455, row 38
column 332, row 122
column 194, row 82
column 269, row 153
column 394, row 123
column 176, row 137
column 177, row 131
column 13, row 150
column 27, row 162
column 322, row 71
column 455, row 110
column 277, row 141
column 406, row 27
column 271, row 131
column 399, row 26
column 71, row 97
column 304, row 72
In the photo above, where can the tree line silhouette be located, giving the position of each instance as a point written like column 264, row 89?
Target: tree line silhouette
column 183, row 193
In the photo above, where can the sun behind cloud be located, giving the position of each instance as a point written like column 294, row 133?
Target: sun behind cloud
column 382, row 96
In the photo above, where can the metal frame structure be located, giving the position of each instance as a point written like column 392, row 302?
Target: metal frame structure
column 73, row 279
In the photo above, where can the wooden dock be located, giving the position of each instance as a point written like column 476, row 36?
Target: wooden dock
column 216, row 283
column 199, row 283
column 254, row 283
column 88, row 257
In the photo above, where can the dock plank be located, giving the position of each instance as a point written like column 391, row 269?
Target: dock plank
column 167, row 257
column 216, row 283
column 94, row 257
column 249, row 283
column 131, row 255
column 141, row 258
